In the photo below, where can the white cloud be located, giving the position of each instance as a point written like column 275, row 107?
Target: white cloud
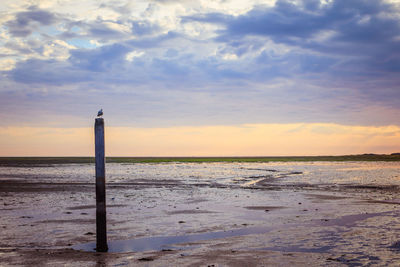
column 230, row 57
column 118, row 27
column 199, row 30
column 233, row 7
column 57, row 49
column 134, row 54
column 216, row 47
column 7, row 64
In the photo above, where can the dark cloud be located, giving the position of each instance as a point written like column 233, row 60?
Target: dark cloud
column 27, row 21
column 17, row 47
column 97, row 30
column 142, row 32
column 306, row 62
column 100, row 59
column 46, row 72
column 101, row 31
column 149, row 106
column 292, row 64
column 83, row 65
column 367, row 29
column 356, row 20
column 284, row 20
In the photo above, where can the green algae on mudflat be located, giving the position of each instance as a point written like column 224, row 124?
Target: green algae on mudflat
column 21, row 161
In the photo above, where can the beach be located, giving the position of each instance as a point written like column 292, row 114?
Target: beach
column 200, row 133
column 203, row 214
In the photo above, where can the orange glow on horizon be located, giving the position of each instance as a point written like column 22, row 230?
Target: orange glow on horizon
column 240, row 140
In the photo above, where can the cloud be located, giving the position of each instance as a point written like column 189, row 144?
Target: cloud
column 352, row 21
column 365, row 29
column 121, row 8
column 153, row 41
column 143, row 27
column 217, row 18
column 193, row 63
column 99, row 59
column 50, row 72
column 104, row 30
column 27, row 22
column 352, row 44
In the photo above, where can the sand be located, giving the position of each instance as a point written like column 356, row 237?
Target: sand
column 46, row 223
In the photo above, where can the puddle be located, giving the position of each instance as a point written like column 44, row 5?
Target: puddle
column 339, row 213
column 180, row 242
column 298, row 249
column 158, row 243
column 350, row 220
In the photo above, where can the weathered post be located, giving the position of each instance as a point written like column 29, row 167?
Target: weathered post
column 101, row 222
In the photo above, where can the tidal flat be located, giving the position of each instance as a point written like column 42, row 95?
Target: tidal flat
column 185, row 213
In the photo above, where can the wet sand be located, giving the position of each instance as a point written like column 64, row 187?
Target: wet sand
column 251, row 221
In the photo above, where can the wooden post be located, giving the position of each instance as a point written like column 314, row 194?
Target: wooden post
column 101, row 222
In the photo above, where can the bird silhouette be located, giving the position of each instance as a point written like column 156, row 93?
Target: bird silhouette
column 100, row 113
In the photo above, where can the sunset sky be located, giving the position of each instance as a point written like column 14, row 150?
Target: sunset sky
column 200, row 78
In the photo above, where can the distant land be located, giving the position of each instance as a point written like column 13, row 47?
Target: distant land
column 20, row 161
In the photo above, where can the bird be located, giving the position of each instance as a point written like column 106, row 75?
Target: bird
column 100, row 113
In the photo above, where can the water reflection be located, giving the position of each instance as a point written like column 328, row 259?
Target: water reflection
column 159, row 243
column 163, row 206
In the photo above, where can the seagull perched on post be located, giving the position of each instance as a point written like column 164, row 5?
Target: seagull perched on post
column 100, row 113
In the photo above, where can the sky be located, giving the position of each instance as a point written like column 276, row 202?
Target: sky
column 200, row 78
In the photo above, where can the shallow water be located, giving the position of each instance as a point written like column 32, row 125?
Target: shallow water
column 313, row 207
column 170, row 242
column 243, row 174
column 174, row 242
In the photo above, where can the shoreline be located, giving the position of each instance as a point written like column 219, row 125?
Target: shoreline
column 40, row 161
